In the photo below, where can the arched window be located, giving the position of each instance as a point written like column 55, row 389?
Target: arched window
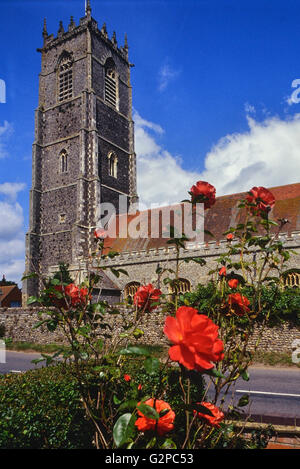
column 112, row 165
column 130, row 290
column 180, row 286
column 65, row 77
column 291, row 278
column 63, row 161
column 110, row 83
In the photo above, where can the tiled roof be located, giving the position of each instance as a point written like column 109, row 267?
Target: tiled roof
column 219, row 218
column 5, row 290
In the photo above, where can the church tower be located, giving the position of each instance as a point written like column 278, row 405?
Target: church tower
column 83, row 152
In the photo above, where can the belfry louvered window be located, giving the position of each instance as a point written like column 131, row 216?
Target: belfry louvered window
column 65, row 78
column 110, row 83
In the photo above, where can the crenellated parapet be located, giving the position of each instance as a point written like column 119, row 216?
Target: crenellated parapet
column 73, row 30
column 209, row 249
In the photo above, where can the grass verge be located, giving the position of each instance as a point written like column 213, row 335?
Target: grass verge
column 159, row 351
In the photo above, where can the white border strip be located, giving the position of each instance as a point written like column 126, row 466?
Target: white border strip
column 244, row 391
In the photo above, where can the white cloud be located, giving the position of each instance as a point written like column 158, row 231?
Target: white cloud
column 5, row 131
column 13, row 270
column 12, row 235
column 11, row 216
column 166, row 74
column 268, row 154
column 161, row 179
column 11, row 189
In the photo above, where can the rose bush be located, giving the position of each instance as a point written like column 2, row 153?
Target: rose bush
column 209, row 338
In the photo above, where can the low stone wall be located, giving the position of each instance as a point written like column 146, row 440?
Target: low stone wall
column 18, row 324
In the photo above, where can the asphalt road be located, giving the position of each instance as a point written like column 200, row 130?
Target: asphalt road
column 272, row 391
column 18, row 362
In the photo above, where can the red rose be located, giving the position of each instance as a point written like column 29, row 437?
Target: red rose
column 238, row 303
column 262, row 199
column 222, row 272
column 203, row 192
column 233, row 283
column 214, row 419
column 196, row 339
column 145, row 296
column 127, row 377
column 230, row 237
column 163, row 425
column 79, row 296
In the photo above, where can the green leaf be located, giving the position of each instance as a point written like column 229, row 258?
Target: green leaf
column 55, row 281
column 116, row 400
column 115, row 272
column 199, row 260
column 164, row 412
column 168, row 444
column 148, row 411
column 214, row 372
column 151, row 365
column 135, row 350
column 39, row 323
column 123, row 271
column 123, row 429
column 137, row 333
column 51, row 325
column 244, row 400
column 33, row 299
column 151, row 443
column 31, row 275
column 128, row 405
column 245, row 376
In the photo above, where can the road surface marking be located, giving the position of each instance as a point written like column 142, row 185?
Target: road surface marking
column 267, row 393
column 15, row 371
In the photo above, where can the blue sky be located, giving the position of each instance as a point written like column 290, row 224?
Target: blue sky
column 212, row 87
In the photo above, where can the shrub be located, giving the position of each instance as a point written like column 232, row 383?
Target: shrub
column 280, row 305
column 41, row 409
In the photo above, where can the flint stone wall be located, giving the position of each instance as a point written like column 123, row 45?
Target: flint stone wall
column 18, row 324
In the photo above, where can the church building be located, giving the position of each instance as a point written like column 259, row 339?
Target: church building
column 83, row 157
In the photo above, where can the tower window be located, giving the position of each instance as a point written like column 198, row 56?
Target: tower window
column 112, row 165
column 64, row 161
column 110, row 83
column 65, row 78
